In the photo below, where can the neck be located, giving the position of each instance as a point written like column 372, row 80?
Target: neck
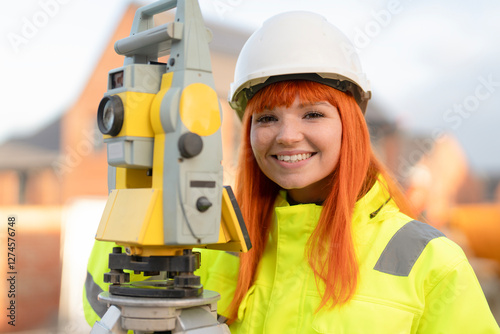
column 314, row 193
column 292, row 201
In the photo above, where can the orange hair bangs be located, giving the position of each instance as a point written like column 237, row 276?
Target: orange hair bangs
column 283, row 94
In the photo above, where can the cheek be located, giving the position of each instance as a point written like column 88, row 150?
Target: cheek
column 338, row 137
column 329, row 140
column 257, row 141
column 337, row 142
column 253, row 140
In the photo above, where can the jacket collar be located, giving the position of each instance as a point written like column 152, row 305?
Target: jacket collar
column 373, row 202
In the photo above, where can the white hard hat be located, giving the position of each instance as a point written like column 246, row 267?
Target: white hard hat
column 297, row 45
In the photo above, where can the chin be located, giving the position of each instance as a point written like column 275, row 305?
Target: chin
column 291, row 185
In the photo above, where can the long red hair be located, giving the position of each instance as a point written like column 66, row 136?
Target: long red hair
column 330, row 250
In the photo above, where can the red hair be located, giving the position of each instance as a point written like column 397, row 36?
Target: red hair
column 330, row 250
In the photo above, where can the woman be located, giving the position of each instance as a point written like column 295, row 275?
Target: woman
column 334, row 250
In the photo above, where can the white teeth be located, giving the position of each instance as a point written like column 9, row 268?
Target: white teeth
column 294, row 158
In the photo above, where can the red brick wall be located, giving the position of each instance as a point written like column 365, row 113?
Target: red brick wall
column 37, row 266
column 9, row 188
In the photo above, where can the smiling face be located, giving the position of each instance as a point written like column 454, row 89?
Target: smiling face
column 298, row 147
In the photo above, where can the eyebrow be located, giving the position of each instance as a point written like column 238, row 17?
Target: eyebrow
column 302, row 105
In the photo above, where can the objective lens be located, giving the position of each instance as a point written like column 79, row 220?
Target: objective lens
column 110, row 115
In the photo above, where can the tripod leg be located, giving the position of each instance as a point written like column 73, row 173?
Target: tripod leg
column 199, row 320
column 110, row 323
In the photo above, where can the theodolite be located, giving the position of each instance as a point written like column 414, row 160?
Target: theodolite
column 161, row 123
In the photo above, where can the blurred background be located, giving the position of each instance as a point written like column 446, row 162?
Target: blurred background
column 434, row 121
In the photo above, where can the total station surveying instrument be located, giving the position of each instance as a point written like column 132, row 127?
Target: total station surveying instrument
column 161, row 123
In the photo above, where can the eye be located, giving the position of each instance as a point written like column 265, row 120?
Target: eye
column 313, row 114
column 265, row 119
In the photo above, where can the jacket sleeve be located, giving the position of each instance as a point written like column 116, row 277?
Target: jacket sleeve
column 219, row 272
column 94, row 283
column 457, row 305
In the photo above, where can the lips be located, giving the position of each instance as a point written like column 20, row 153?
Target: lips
column 294, row 157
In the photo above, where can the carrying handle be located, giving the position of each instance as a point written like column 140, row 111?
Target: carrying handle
column 143, row 19
column 147, row 42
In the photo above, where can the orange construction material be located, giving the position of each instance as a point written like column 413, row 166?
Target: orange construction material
column 481, row 225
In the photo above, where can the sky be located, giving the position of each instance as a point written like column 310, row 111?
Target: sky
column 433, row 65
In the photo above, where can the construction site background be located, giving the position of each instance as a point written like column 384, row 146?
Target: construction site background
column 55, row 183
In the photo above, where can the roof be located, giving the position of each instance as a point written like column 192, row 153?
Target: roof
column 33, row 152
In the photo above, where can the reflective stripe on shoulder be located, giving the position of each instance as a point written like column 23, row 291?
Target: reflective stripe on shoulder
column 92, row 290
column 405, row 247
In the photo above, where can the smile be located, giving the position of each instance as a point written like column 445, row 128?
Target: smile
column 293, row 158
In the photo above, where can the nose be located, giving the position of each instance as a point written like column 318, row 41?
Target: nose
column 289, row 132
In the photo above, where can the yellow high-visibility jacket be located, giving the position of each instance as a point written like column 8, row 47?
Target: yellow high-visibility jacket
column 412, row 278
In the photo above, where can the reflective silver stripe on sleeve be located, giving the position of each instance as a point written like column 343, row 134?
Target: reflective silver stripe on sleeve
column 92, row 290
column 405, row 247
